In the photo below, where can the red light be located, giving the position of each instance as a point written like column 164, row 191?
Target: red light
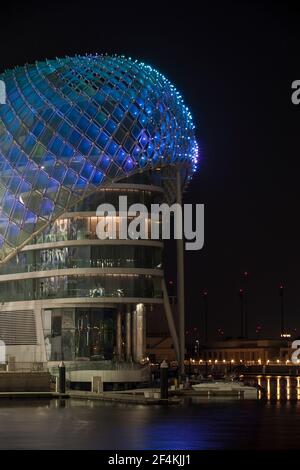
column 204, row 293
column 281, row 290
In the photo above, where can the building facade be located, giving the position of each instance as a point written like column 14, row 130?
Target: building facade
column 246, row 351
column 89, row 295
column 75, row 133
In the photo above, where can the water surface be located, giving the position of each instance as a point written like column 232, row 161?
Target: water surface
column 206, row 424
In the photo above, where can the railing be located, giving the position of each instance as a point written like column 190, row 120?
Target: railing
column 87, row 292
column 77, row 264
column 24, row 367
column 99, row 365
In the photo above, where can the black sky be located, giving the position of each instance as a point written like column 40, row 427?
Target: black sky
column 234, row 63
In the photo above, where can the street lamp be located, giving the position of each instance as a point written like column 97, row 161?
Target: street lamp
column 241, row 294
column 281, row 292
column 204, row 294
column 245, row 277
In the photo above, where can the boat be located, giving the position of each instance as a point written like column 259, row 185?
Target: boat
column 222, row 387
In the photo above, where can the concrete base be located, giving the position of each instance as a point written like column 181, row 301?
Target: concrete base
column 86, row 372
column 24, row 382
column 111, row 376
column 97, row 385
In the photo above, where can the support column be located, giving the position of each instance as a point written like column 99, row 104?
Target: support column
column 180, row 280
column 119, row 335
column 140, row 332
column 133, row 335
column 170, row 320
column 128, row 336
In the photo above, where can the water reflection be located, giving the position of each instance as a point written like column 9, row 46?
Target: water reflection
column 87, row 424
column 277, row 388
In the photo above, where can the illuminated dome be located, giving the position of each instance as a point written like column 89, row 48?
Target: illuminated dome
column 75, row 124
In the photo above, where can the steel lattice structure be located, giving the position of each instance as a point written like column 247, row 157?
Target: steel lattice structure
column 73, row 124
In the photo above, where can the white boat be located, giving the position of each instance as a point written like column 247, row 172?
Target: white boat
column 226, row 388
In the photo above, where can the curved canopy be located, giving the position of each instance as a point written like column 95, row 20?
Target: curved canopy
column 72, row 125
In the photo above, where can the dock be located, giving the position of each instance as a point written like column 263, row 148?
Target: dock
column 136, row 397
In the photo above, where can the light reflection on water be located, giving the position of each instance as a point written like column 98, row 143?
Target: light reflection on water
column 205, row 424
column 278, row 387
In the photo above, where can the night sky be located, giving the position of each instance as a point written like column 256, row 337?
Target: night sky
column 234, row 63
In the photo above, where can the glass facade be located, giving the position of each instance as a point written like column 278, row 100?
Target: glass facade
column 87, row 329
column 74, row 124
column 84, row 333
column 96, row 256
column 77, row 132
column 79, row 228
column 83, row 226
column 87, row 256
column 80, row 334
column 134, row 195
column 108, row 285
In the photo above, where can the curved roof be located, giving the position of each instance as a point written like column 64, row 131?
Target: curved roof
column 72, row 125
